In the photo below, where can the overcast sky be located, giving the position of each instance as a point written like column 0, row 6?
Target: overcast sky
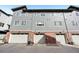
column 7, row 8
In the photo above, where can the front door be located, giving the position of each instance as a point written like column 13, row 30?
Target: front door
column 50, row 40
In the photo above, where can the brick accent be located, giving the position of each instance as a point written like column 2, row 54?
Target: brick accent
column 51, row 34
column 50, row 38
column 31, row 37
column 6, row 38
column 68, row 37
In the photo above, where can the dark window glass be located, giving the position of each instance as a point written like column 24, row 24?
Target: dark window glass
column 16, row 22
column 74, row 23
column 58, row 23
column 55, row 23
column 40, row 24
column 77, row 14
column 23, row 22
column 42, row 14
column 1, row 24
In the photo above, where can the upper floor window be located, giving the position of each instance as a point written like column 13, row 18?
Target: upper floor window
column 16, row 22
column 40, row 24
column 0, row 13
column 77, row 14
column 42, row 14
column 20, row 14
column 1, row 24
column 74, row 23
column 23, row 23
column 17, row 14
column 58, row 23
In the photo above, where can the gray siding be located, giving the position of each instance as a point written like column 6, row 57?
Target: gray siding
column 53, row 22
column 72, row 22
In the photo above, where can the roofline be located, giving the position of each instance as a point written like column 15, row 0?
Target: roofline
column 73, row 8
column 44, row 10
column 18, row 8
column 48, row 10
column 5, row 13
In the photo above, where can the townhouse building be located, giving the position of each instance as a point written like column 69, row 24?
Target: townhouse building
column 44, row 26
column 5, row 21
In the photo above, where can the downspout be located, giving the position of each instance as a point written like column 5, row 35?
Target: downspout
column 65, row 25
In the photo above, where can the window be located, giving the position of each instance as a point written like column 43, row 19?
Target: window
column 23, row 22
column 58, row 23
column 1, row 24
column 0, row 13
column 8, row 26
column 42, row 14
column 40, row 24
column 55, row 23
column 77, row 14
column 16, row 22
column 74, row 23
column 23, row 14
column 17, row 13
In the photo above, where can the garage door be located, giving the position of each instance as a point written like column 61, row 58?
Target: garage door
column 2, row 37
column 75, row 39
column 39, row 39
column 18, row 38
column 60, row 39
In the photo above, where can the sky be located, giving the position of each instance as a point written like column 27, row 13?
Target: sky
column 7, row 8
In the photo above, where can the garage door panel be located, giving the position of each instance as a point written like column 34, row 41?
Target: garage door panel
column 2, row 37
column 75, row 39
column 18, row 39
column 60, row 39
column 39, row 39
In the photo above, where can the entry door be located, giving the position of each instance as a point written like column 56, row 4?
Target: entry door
column 75, row 39
column 50, row 40
column 60, row 39
column 18, row 38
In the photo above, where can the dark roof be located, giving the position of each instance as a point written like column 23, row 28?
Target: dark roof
column 48, row 10
column 18, row 8
column 5, row 13
column 73, row 8
column 70, row 9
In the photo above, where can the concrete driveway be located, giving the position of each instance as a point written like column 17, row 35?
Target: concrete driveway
column 23, row 48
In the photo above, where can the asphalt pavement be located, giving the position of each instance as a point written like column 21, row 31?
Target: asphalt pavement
column 23, row 48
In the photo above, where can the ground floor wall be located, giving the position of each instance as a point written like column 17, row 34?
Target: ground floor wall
column 2, row 36
column 42, row 38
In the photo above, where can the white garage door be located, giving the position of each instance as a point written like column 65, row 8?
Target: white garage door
column 75, row 39
column 39, row 39
column 18, row 38
column 2, row 37
column 60, row 39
